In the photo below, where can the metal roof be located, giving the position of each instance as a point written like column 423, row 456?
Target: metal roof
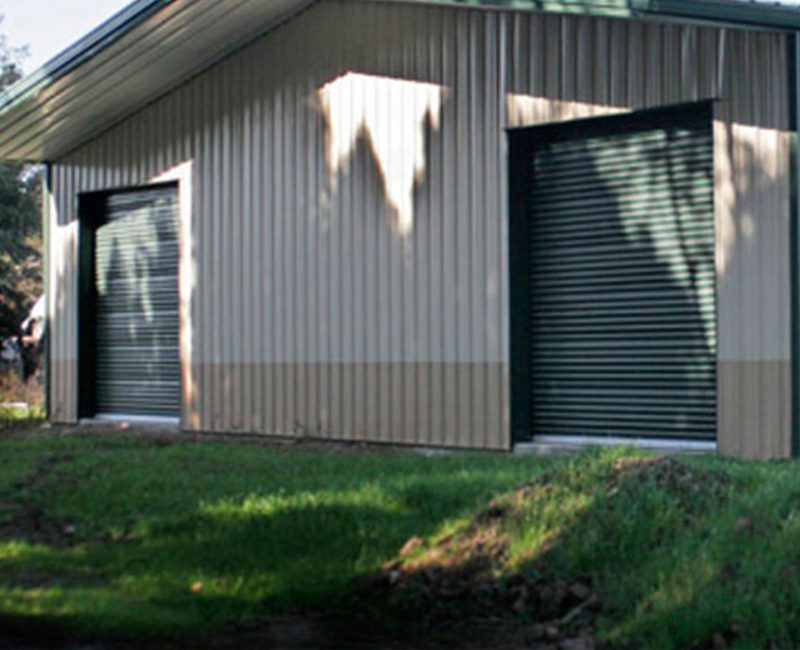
column 153, row 45
column 124, row 64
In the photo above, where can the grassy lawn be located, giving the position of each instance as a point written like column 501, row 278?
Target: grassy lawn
column 172, row 539
column 119, row 536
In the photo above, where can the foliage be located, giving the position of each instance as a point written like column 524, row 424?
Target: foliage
column 10, row 58
column 20, row 224
column 21, row 416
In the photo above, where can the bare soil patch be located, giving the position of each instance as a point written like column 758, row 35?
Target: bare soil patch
column 463, row 576
column 23, row 517
column 455, row 592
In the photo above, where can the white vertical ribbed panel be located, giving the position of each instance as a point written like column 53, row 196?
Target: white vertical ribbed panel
column 349, row 210
column 606, row 65
column 348, row 250
column 626, row 65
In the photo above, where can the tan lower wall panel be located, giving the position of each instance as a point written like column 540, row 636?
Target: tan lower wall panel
column 755, row 408
column 64, row 391
column 448, row 404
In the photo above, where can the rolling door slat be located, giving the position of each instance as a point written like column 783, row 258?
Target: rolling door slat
column 622, row 282
column 137, row 366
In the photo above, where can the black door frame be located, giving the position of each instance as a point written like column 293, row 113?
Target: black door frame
column 92, row 215
column 522, row 142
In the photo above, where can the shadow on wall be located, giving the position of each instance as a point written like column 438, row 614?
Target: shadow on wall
column 404, row 174
column 133, row 251
column 136, row 321
column 258, row 531
column 754, row 277
column 622, row 283
column 393, row 116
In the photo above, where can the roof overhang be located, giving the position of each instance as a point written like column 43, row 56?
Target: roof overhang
column 154, row 45
column 126, row 63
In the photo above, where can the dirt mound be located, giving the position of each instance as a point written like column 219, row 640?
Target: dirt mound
column 461, row 577
column 466, row 574
column 691, row 486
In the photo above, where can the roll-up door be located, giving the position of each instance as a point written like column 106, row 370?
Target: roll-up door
column 137, row 367
column 622, row 277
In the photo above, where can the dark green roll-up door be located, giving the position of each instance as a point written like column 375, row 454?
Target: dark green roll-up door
column 622, row 277
column 137, row 367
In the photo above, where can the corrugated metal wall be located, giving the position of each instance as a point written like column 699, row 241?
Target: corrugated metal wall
column 320, row 307
column 349, row 253
column 608, row 65
column 622, row 274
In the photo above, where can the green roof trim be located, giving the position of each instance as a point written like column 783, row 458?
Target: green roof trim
column 591, row 7
column 759, row 14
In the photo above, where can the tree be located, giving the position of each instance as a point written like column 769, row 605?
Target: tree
column 20, row 223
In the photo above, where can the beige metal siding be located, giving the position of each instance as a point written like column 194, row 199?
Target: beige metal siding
column 754, row 290
column 321, row 304
column 610, row 65
column 349, row 280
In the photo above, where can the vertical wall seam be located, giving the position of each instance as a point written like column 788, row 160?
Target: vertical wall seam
column 793, row 60
column 329, row 314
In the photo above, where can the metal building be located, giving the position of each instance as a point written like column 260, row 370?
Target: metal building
column 462, row 224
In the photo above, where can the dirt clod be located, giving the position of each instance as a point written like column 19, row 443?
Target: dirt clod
column 411, row 547
column 580, row 591
column 579, row 643
column 521, row 604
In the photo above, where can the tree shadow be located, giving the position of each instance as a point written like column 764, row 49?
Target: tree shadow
column 233, row 557
column 607, row 533
column 135, row 312
column 617, row 293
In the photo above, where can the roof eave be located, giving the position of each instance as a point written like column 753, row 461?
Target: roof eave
column 29, row 91
column 81, row 51
column 723, row 11
column 734, row 12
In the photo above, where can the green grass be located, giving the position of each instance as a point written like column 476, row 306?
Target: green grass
column 716, row 552
column 263, row 530
column 259, row 531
